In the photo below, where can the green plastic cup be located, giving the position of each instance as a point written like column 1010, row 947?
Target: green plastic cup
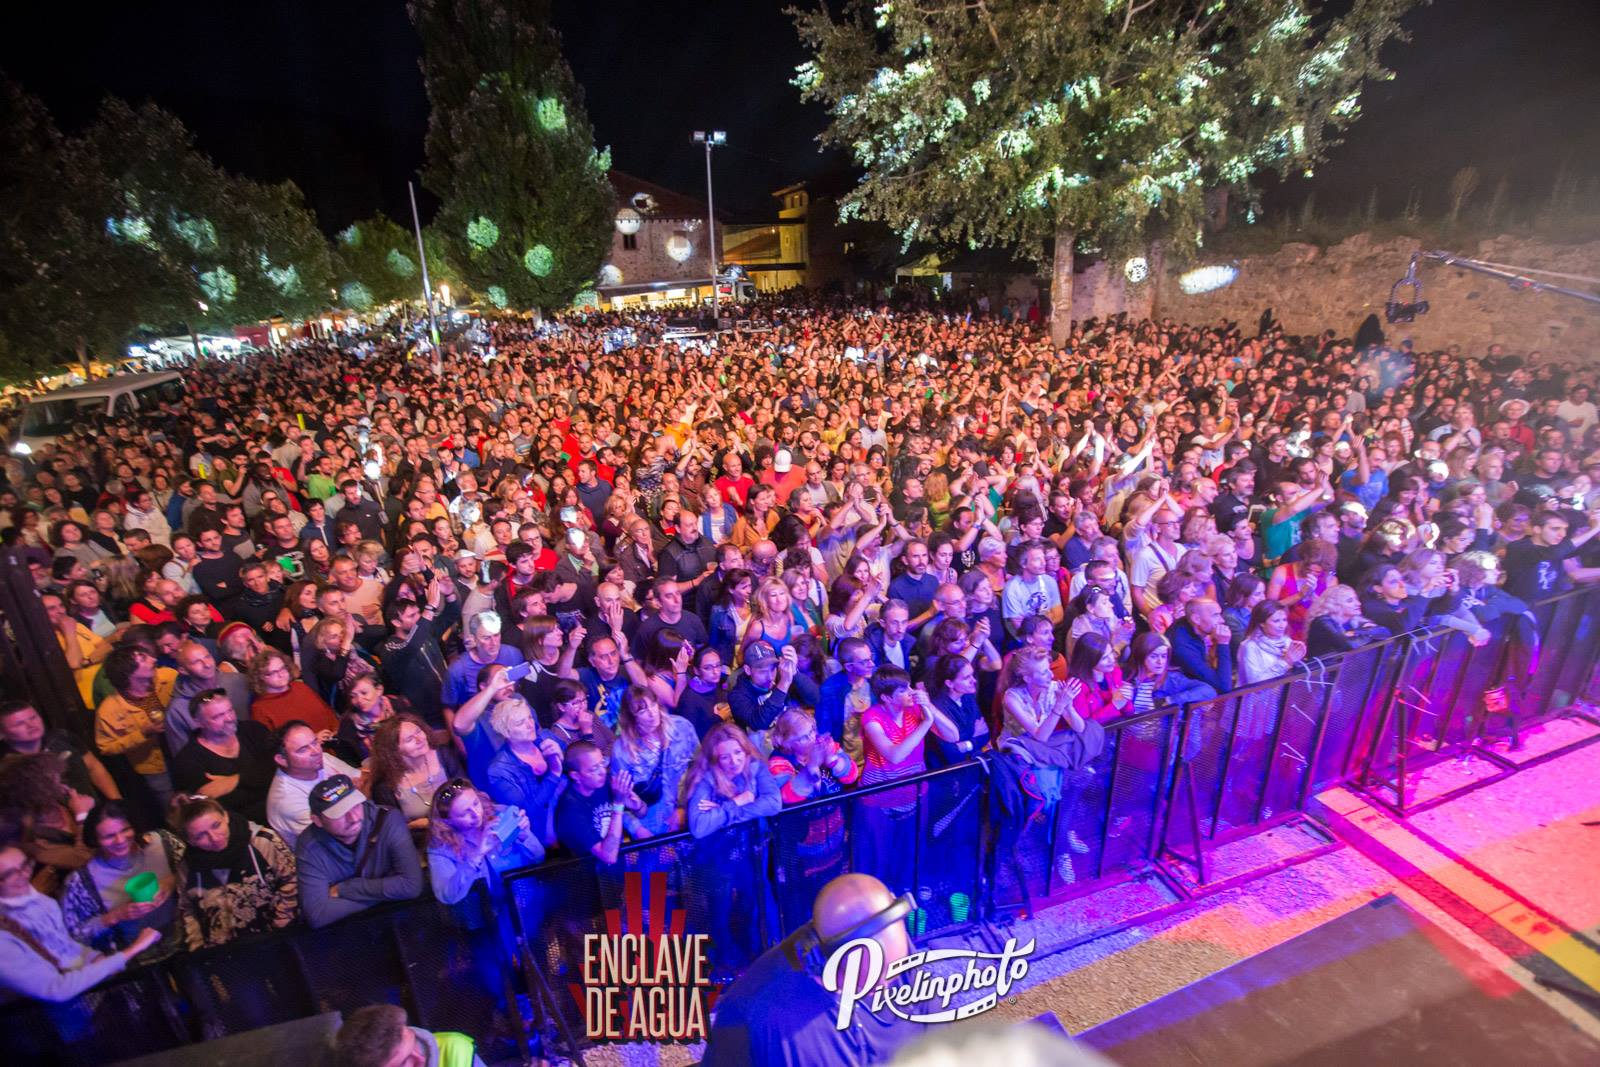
column 143, row 887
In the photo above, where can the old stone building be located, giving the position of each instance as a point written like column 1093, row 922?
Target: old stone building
column 659, row 246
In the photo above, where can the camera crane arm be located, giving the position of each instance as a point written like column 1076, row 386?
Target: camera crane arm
column 1397, row 310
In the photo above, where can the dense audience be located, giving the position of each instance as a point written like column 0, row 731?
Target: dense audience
column 347, row 624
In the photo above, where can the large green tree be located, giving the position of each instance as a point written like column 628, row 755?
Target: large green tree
column 1038, row 123
column 527, row 210
column 211, row 249
column 377, row 264
column 69, row 286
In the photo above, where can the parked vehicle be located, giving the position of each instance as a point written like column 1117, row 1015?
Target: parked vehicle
column 52, row 414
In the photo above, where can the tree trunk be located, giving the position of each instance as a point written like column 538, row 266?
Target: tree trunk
column 194, row 339
column 1061, row 287
column 83, row 356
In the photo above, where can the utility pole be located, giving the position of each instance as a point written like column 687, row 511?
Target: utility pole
column 711, row 139
column 427, row 287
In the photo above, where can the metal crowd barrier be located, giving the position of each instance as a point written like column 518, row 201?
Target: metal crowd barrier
column 442, row 963
column 1172, row 786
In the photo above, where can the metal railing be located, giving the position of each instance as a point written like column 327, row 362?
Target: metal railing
column 444, row 964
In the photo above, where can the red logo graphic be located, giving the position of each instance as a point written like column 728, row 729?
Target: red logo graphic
column 644, row 978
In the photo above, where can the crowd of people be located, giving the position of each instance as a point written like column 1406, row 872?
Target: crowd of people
column 352, row 621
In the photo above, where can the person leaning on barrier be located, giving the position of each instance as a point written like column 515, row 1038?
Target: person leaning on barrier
column 378, row 1036
column 1155, row 682
column 594, row 809
column 471, row 839
column 99, row 908
column 1266, row 650
column 807, row 764
column 235, row 877
column 355, row 854
column 38, row 958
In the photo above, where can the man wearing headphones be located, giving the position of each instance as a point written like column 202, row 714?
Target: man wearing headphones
column 778, row 1014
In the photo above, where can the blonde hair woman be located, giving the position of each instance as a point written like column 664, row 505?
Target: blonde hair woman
column 770, row 620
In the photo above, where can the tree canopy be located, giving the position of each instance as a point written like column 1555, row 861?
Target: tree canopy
column 527, row 209
column 1033, row 123
column 217, row 249
column 129, row 225
column 376, row 264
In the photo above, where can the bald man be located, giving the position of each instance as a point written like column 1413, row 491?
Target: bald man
column 779, row 1014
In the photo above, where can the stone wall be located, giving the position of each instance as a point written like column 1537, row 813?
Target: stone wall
column 1310, row 288
column 649, row 262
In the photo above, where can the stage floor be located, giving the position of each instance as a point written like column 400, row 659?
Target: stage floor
column 1509, row 875
column 1379, row 985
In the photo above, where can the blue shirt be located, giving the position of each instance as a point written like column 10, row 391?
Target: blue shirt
column 916, row 592
column 461, row 679
column 1375, row 489
column 605, row 697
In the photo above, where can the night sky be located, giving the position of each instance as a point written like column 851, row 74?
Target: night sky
column 327, row 93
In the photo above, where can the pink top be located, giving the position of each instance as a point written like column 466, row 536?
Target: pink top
column 1095, row 700
column 878, row 769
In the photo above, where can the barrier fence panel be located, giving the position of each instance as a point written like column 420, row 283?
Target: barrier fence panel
column 1119, row 811
column 1450, row 696
column 444, row 968
column 130, row 1015
column 1578, row 646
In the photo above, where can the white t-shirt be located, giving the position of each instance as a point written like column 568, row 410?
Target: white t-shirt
column 289, row 799
column 1023, row 597
column 1581, row 416
column 1151, row 562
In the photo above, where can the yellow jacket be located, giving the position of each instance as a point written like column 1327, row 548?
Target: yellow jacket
column 124, row 729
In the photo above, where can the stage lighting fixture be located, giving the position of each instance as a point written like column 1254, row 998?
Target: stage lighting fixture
column 1205, row 279
column 1398, row 311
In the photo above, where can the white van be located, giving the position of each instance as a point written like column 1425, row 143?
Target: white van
column 49, row 416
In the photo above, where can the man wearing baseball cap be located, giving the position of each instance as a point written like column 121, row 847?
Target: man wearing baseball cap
column 354, row 855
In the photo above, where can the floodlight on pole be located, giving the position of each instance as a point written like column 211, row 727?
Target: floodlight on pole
column 711, row 139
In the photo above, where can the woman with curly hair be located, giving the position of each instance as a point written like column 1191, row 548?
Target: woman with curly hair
column 472, row 839
column 234, row 876
column 409, row 765
column 40, row 812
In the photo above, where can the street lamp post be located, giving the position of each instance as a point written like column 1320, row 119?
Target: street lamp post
column 711, row 139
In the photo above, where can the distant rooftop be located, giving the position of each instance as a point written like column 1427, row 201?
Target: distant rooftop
column 662, row 202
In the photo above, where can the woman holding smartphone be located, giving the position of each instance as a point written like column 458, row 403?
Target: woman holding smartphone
column 471, row 838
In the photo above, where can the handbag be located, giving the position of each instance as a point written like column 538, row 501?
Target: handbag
column 651, row 788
